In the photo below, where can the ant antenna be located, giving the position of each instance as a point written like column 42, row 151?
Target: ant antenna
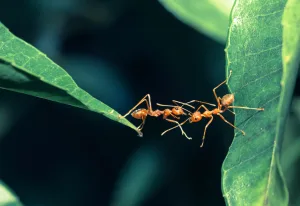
column 188, row 103
column 176, row 102
column 165, row 105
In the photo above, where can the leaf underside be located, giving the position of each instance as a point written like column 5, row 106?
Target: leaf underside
column 257, row 43
column 25, row 69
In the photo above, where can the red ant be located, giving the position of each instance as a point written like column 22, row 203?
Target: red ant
column 224, row 102
column 143, row 113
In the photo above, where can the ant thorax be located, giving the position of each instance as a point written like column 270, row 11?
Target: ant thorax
column 177, row 111
column 166, row 113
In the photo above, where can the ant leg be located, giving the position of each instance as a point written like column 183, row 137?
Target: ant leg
column 149, row 100
column 203, row 107
column 182, row 132
column 238, row 107
column 130, row 111
column 187, row 104
column 164, row 105
column 140, row 127
column 223, row 118
column 214, row 90
column 231, row 111
column 227, row 108
column 201, row 102
column 208, row 123
column 174, row 116
column 175, row 127
column 219, row 101
column 149, row 107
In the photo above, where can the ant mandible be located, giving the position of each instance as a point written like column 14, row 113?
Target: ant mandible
column 224, row 104
column 142, row 113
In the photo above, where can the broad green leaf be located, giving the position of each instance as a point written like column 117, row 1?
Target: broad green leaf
column 210, row 17
column 263, row 53
column 7, row 198
column 25, row 69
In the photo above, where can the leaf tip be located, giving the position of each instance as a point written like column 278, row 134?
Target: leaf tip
column 140, row 134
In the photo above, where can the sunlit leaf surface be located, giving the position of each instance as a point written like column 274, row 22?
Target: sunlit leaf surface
column 263, row 53
column 25, row 69
column 210, row 17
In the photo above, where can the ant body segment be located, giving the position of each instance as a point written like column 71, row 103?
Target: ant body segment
column 142, row 113
column 224, row 104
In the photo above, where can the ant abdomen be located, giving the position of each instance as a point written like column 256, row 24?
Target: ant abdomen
column 139, row 113
column 227, row 100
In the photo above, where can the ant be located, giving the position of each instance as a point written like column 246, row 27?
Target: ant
column 224, row 104
column 143, row 113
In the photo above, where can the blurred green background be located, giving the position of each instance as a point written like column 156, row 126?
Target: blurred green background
column 118, row 51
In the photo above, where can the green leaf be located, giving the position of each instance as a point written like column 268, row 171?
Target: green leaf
column 263, row 53
column 210, row 17
column 7, row 198
column 290, row 152
column 25, row 69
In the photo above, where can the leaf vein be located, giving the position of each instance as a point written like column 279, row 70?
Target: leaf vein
column 261, row 77
column 247, row 160
column 263, row 51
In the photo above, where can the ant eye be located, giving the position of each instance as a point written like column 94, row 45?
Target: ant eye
column 176, row 108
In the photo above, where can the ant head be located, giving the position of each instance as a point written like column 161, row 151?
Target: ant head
column 227, row 100
column 196, row 117
column 178, row 111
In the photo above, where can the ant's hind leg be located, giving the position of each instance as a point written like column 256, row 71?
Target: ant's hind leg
column 149, row 107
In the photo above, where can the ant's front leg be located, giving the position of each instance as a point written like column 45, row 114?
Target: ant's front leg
column 215, row 93
column 178, row 125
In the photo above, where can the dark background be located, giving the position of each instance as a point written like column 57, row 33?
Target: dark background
column 53, row 154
